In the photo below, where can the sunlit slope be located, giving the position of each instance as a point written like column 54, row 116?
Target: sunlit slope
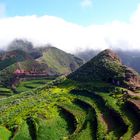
column 60, row 61
column 65, row 109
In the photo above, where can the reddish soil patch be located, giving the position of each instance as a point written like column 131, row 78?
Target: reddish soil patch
column 133, row 94
column 136, row 137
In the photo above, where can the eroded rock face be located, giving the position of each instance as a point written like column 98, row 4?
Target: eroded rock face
column 107, row 66
column 132, row 77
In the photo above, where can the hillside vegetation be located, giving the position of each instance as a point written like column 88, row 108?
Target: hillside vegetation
column 45, row 61
column 72, row 108
column 107, row 66
column 64, row 109
column 59, row 61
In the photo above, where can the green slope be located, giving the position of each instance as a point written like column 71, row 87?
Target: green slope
column 51, row 61
column 55, row 112
column 7, row 74
column 71, row 110
column 12, row 57
column 107, row 66
column 60, row 61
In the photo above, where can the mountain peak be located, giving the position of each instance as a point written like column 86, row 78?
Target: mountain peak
column 20, row 44
column 107, row 66
column 108, row 54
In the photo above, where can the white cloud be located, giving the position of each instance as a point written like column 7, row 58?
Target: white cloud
column 86, row 3
column 2, row 9
column 69, row 36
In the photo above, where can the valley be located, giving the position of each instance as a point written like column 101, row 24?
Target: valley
column 69, row 70
column 98, row 101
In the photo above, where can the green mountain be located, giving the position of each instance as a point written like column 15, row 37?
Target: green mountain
column 59, row 61
column 73, row 108
column 11, row 57
column 129, row 57
column 42, row 61
column 107, row 66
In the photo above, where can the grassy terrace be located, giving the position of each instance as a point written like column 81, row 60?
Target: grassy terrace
column 109, row 126
column 127, row 114
column 31, row 84
column 64, row 109
column 24, row 85
column 5, row 92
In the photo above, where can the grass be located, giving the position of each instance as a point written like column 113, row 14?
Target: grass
column 5, row 134
column 57, row 114
column 31, row 84
column 52, row 129
column 128, row 117
column 89, row 127
column 115, row 126
column 101, row 125
column 22, row 133
column 77, row 112
column 5, row 92
column 60, row 61
column 87, row 131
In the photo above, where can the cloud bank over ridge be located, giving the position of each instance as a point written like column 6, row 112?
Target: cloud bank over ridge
column 71, row 37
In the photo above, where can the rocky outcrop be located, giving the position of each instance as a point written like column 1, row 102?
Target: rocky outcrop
column 132, row 77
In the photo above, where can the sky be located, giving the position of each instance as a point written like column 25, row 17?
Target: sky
column 72, row 25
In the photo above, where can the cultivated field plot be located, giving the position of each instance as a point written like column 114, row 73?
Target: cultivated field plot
column 5, row 92
column 32, row 84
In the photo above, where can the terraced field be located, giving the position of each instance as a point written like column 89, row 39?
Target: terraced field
column 63, row 110
column 5, row 92
column 24, row 85
column 32, row 84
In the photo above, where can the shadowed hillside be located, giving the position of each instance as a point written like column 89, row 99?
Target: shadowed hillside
column 130, row 58
column 107, row 66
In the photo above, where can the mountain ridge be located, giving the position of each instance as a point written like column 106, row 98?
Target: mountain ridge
column 23, row 57
column 128, row 57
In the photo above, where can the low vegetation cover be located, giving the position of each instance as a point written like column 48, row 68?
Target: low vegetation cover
column 76, row 107
column 64, row 109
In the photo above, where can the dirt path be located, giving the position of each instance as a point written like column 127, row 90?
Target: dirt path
column 133, row 94
column 136, row 103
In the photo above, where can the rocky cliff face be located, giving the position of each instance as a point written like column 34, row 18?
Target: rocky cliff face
column 107, row 66
column 132, row 76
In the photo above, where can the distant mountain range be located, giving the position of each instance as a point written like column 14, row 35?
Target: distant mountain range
column 23, row 57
